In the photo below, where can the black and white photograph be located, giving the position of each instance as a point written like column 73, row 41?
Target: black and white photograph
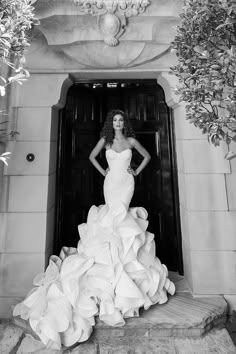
column 117, row 176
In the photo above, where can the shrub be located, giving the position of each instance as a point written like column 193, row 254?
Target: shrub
column 205, row 45
column 16, row 22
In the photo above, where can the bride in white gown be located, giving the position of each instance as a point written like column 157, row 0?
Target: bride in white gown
column 114, row 270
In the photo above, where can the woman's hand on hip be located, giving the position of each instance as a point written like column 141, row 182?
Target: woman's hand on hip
column 131, row 171
column 106, row 171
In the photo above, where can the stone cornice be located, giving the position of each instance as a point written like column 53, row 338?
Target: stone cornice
column 67, row 40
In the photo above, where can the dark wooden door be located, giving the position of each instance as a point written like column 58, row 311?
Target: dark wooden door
column 80, row 185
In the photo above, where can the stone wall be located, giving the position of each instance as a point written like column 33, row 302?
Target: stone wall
column 208, row 214
column 27, row 236
column 206, row 180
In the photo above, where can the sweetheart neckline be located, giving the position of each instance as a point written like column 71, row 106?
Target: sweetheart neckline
column 118, row 152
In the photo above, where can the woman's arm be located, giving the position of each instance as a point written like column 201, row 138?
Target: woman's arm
column 146, row 156
column 94, row 153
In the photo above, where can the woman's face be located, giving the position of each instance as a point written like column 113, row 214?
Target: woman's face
column 118, row 122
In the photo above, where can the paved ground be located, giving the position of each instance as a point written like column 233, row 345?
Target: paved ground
column 231, row 327
column 185, row 325
column 14, row 341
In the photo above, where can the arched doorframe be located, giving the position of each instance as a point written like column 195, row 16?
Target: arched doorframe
column 168, row 83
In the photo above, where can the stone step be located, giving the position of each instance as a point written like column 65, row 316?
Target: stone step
column 182, row 316
column 184, row 325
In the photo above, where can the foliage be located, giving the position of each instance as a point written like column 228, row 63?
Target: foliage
column 205, row 45
column 16, row 21
column 4, row 157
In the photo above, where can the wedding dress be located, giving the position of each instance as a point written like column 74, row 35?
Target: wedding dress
column 112, row 273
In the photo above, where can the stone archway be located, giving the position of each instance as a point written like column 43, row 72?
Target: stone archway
column 163, row 209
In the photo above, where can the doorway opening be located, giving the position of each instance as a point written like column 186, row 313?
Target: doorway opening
column 79, row 184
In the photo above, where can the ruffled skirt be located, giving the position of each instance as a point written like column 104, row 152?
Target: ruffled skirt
column 113, row 272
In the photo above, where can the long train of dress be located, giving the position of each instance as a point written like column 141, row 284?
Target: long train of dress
column 113, row 272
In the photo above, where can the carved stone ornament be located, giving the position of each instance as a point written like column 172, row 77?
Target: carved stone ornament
column 127, row 8
column 109, row 23
column 111, row 26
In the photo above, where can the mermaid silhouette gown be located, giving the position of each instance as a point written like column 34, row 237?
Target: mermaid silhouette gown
column 112, row 273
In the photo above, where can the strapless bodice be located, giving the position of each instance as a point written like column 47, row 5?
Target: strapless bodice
column 118, row 183
column 118, row 161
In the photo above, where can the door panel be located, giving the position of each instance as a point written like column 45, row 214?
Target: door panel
column 81, row 185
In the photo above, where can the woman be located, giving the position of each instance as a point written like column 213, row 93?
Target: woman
column 114, row 271
column 118, row 135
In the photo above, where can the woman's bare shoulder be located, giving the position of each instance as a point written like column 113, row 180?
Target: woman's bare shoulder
column 102, row 142
column 132, row 141
column 98, row 147
column 102, row 139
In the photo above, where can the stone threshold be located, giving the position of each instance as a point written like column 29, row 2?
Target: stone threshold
column 184, row 325
column 182, row 316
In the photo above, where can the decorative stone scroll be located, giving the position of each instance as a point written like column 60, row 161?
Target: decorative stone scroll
column 112, row 25
column 127, row 8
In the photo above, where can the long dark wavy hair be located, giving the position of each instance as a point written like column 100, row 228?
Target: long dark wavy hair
column 108, row 132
